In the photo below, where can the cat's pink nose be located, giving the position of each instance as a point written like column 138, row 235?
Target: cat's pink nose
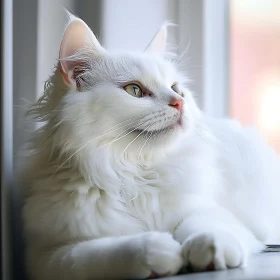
column 177, row 103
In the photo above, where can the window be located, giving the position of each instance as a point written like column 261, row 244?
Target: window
column 255, row 66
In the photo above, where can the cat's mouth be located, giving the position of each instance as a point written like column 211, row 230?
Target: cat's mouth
column 165, row 130
column 151, row 132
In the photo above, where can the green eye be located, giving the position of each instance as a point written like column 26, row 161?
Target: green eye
column 134, row 90
column 176, row 88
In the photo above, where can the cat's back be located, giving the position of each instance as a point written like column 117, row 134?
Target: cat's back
column 251, row 175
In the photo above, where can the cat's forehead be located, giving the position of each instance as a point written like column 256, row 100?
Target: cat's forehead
column 149, row 69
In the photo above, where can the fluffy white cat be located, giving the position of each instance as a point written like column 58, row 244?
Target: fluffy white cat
column 128, row 178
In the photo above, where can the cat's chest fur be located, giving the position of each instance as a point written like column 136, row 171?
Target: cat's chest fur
column 146, row 198
column 153, row 211
column 114, row 214
column 144, row 202
column 151, row 199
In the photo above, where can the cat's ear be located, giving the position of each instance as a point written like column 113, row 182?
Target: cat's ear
column 78, row 45
column 158, row 43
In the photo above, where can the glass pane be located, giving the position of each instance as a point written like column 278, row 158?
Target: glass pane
column 255, row 66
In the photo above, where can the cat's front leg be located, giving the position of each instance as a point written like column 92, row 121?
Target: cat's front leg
column 215, row 239
column 139, row 256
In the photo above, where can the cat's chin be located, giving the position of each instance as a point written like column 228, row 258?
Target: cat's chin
column 162, row 137
column 159, row 132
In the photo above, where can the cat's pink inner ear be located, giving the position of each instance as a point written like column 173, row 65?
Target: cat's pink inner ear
column 158, row 43
column 74, row 39
column 77, row 39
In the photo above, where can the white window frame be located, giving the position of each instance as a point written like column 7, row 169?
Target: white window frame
column 216, row 58
column 204, row 24
column 6, row 134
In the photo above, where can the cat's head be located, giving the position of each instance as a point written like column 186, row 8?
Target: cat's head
column 130, row 102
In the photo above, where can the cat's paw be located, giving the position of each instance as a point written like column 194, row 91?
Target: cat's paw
column 218, row 250
column 162, row 254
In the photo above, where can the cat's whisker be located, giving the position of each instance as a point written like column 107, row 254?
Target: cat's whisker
column 183, row 53
column 200, row 136
column 126, row 133
column 137, row 137
column 144, row 144
column 108, row 131
column 146, row 140
column 84, row 146
column 183, row 61
column 90, row 141
column 130, row 123
column 207, row 130
column 152, row 148
column 118, row 138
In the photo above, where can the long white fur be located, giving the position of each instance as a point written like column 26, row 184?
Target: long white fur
column 100, row 204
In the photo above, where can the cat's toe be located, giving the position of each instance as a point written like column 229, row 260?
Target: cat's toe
column 163, row 254
column 209, row 251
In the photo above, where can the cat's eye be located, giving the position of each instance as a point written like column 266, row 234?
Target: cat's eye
column 175, row 88
column 134, row 90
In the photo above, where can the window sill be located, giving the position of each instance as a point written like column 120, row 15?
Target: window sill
column 263, row 266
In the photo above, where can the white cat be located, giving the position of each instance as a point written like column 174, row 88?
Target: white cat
column 129, row 179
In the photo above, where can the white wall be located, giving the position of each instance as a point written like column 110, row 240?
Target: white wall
column 51, row 23
column 130, row 24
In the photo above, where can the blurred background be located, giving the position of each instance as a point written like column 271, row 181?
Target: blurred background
column 254, row 66
column 232, row 58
